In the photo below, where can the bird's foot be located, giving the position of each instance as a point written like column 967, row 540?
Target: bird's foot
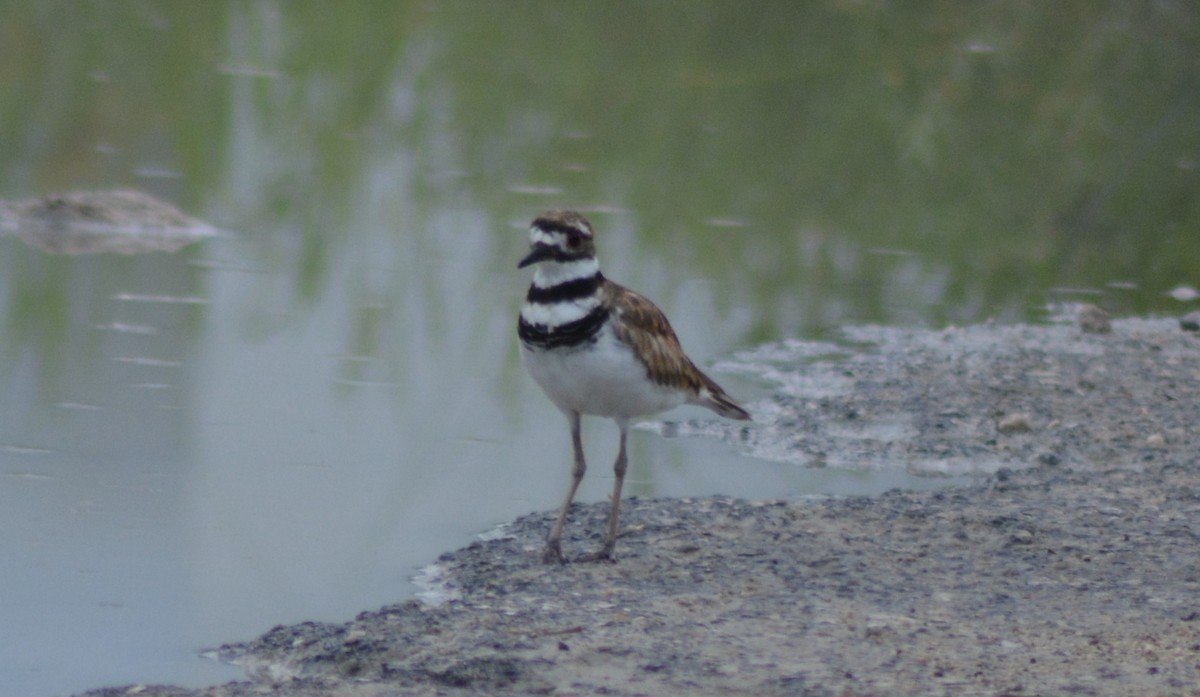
column 553, row 553
column 603, row 554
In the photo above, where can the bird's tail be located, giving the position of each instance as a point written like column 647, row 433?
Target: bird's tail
column 713, row 397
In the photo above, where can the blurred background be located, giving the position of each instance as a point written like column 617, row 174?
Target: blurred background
column 286, row 422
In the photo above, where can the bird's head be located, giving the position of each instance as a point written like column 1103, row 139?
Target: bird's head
column 559, row 236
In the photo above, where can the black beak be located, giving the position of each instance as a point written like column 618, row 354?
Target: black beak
column 540, row 252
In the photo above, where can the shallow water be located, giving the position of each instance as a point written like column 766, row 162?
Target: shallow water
column 287, row 421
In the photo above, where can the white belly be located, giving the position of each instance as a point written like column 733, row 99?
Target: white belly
column 602, row 379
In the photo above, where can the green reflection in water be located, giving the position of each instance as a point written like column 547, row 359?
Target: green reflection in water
column 828, row 162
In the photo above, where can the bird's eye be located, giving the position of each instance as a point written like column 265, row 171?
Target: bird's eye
column 574, row 240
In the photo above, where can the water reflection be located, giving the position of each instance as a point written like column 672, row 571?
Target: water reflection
column 284, row 424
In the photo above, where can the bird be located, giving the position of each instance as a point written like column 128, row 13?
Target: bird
column 598, row 348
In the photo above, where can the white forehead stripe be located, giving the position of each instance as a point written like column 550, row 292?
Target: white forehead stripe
column 538, row 235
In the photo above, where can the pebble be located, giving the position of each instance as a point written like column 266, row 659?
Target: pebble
column 1190, row 322
column 1015, row 423
column 1022, row 537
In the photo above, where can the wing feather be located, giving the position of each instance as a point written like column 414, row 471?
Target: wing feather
column 644, row 328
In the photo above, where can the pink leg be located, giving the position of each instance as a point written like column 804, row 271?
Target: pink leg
column 605, row 553
column 553, row 552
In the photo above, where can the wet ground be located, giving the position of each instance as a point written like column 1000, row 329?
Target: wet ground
column 1072, row 565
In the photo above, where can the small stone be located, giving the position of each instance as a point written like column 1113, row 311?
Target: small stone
column 1093, row 319
column 1156, row 440
column 1190, row 322
column 1015, row 423
column 1022, row 537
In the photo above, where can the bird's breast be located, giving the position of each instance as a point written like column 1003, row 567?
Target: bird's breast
column 603, row 378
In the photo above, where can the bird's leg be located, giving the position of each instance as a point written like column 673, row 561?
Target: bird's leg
column 553, row 552
column 605, row 553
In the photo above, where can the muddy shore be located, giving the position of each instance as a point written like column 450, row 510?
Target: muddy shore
column 1070, row 566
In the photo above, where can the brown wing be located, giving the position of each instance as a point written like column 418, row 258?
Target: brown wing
column 645, row 328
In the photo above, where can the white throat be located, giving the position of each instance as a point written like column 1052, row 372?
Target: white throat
column 553, row 273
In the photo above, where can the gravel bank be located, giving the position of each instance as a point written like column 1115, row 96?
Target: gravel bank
column 1071, row 566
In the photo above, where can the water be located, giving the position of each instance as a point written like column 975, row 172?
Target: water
column 286, row 422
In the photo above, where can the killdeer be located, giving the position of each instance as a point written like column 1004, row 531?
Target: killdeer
column 598, row 348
